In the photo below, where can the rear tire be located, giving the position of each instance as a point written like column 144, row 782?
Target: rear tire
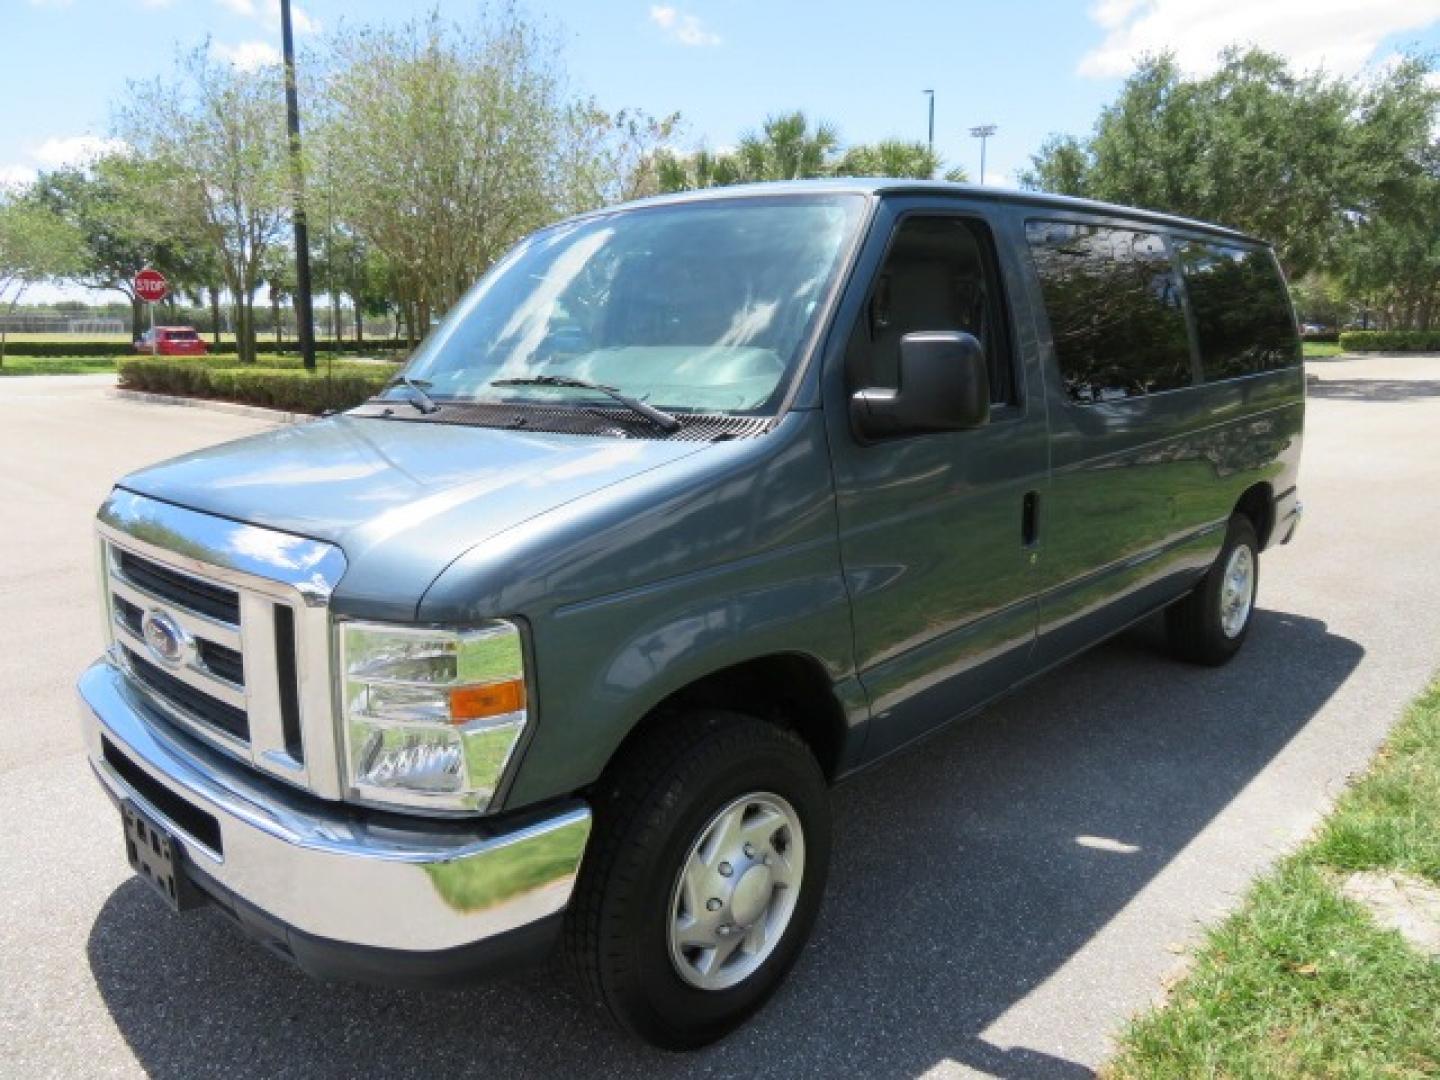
column 1210, row 624
column 715, row 824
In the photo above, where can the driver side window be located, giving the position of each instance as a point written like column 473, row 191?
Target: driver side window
column 940, row 274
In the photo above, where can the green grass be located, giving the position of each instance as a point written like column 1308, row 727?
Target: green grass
column 1316, row 349
column 1300, row 982
column 1392, row 819
column 122, row 338
column 91, row 365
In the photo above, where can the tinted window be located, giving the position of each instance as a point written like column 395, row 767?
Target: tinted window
column 1115, row 313
column 1242, row 314
column 940, row 274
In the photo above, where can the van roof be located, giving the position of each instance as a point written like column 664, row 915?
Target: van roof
column 890, row 186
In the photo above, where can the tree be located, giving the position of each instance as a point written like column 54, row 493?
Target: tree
column 111, row 203
column 701, row 169
column 893, row 157
column 449, row 144
column 1321, row 298
column 609, row 158
column 789, row 147
column 35, row 244
column 218, row 136
column 1062, row 166
column 1390, row 256
column 1293, row 158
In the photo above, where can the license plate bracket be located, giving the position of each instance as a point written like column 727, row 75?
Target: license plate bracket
column 157, row 859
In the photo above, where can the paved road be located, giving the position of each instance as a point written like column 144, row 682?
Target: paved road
column 1000, row 901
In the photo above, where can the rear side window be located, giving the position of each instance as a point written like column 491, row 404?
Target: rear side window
column 1242, row 313
column 1113, row 300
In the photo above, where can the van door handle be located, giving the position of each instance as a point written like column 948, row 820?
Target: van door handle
column 1030, row 520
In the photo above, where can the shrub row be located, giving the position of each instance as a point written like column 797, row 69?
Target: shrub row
column 1322, row 337
column 225, row 348
column 1390, row 341
column 65, row 348
column 288, row 387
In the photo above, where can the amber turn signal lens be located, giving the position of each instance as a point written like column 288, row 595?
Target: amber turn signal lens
column 493, row 699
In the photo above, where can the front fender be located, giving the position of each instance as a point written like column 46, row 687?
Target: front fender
column 637, row 591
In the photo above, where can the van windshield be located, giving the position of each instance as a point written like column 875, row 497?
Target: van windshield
column 695, row 307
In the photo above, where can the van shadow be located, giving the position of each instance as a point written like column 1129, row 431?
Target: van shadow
column 957, row 888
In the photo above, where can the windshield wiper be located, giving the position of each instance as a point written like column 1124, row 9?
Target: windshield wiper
column 421, row 400
column 663, row 420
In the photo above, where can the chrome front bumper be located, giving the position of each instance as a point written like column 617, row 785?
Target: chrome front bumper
column 322, row 875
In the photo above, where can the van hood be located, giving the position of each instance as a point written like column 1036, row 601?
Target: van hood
column 401, row 499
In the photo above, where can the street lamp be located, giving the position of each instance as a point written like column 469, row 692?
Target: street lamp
column 304, row 306
column 931, row 95
column 982, row 132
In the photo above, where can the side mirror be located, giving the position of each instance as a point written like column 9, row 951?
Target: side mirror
column 944, row 386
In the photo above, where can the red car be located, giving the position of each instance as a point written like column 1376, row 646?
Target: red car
column 173, row 341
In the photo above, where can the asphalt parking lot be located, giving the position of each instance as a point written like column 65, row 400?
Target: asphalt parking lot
column 999, row 901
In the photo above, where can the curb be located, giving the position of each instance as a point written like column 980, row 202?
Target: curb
column 256, row 412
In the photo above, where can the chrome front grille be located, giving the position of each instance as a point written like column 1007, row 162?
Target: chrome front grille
column 206, row 689
column 224, row 628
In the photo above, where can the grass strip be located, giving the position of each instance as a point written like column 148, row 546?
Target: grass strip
column 1300, row 982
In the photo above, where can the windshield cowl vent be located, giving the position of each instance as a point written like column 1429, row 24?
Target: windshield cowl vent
column 597, row 420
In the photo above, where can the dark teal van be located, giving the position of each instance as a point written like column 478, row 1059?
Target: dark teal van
column 690, row 509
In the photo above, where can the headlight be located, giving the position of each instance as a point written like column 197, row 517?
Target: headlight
column 431, row 717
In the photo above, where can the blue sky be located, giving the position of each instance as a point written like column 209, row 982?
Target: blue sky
column 1029, row 66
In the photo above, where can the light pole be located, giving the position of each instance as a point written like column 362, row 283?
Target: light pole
column 982, row 132
column 304, row 305
column 931, row 142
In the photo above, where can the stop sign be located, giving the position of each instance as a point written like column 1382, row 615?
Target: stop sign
column 151, row 286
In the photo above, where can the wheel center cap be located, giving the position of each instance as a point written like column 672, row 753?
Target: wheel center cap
column 752, row 894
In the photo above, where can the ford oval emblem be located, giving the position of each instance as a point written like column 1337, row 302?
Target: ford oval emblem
column 167, row 638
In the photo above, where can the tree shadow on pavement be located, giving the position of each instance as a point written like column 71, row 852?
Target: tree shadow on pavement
column 958, row 887
column 1374, row 389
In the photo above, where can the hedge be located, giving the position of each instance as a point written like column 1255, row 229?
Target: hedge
column 1390, row 341
column 64, row 348
column 225, row 348
column 275, row 386
column 1322, row 337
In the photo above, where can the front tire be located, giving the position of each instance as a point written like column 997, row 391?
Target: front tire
column 704, row 877
column 1210, row 624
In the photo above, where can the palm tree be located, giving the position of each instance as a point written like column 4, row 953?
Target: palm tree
column 788, row 148
column 891, row 157
column 702, row 169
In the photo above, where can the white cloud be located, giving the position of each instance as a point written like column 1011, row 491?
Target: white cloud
column 59, row 151
column 14, row 176
column 268, row 12
column 248, row 55
column 686, row 29
column 56, row 152
column 1340, row 35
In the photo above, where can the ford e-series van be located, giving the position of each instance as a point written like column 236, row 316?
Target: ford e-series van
column 690, row 509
